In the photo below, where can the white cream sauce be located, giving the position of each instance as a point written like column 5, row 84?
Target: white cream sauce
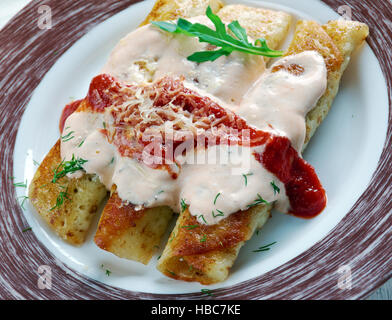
column 231, row 178
column 281, row 99
column 148, row 54
column 220, row 179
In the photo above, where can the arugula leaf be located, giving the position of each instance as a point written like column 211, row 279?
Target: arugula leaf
column 219, row 37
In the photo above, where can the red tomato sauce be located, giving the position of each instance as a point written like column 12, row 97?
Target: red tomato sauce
column 303, row 188
column 67, row 111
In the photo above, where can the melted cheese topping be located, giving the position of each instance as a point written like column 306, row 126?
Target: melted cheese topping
column 231, row 178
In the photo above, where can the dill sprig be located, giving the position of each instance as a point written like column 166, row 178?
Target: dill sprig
column 246, row 178
column 63, row 195
column 207, row 292
column 172, row 273
column 190, row 227
column 22, row 202
column 202, row 218
column 68, row 167
column 216, row 197
column 258, row 201
column 221, row 214
column 265, row 248
column 107, row 271
column 68, row 136
column 80, row 144
column 275, row 187
column 20, row 184
column 184, row 206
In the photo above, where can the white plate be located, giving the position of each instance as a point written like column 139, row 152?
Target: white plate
column 345, row 152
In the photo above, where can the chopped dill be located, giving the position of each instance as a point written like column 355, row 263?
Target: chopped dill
column 265, row 247
column 184, row 206
column 202, row 218
column 207, row 292
column 246, row 177
column 68, row 136
column 80, row 144
column 275, row 187
column 216, row 197
column 63, row 195
column 68, row 167
column 190, row 227
column 172, row 273
column 221, row 214
column 22, row 202
column 258, row 201
column 20, row 184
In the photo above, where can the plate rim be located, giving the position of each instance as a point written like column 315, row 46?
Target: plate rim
column 283, row 282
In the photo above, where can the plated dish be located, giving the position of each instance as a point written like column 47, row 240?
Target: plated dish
column 185, row 117
column 245, row 177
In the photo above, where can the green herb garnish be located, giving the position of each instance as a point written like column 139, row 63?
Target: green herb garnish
column 208, row 292
column 202, row 218
column 226, row 42
column 216, row 197
column 67, row 137
column 27, row 229
column 107, row 272
column 22, row 202
column 265, row 248
column 68, row 167
column 190, row 227
column 183, row 205
column 60, row 199
column 275, row 187
column 172, row 237
column 172, row 273
column 246, row 178
column 258, row 201
column 204, row 238
column 80, row 144
column 20, row 184
column 221, row 214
